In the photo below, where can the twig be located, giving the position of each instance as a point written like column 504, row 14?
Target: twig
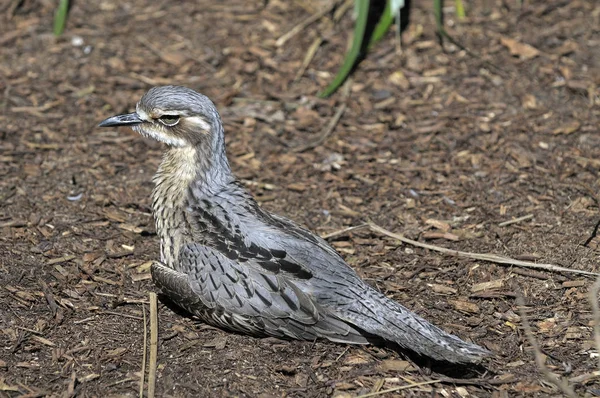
column 326, row 133
column 310, row 54
column 302, row 25
column 494, row 258
column 49, row 297
column 153, row 345
column 342, row 354
column 596, row 315
column 137, row 318
column 404, row 387
column 340, row 232
column 516, row 220
column 142, row 377
column 539, row 358
column 478, row 382
column 593, row 235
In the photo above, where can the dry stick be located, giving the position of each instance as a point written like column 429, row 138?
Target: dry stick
column 404, row 387
column 142, row 377
column 332, row 123
column 310, row 54
column 340, row 232
column 596, row 314
column 494, row 258
column 302, row 25
column 516, row 220
column 539, row 357
column 327, row 132
column 153, row 344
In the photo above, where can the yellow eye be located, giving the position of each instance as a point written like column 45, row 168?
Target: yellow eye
column 169, row 120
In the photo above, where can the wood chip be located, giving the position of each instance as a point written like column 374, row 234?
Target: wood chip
column 43, row 340
column 577, row 283
column 396, row 365
column 464, row 306
column 141, row 277
column 131, row 228
column 568, row 128
column 297, row 187
column 440, row 235
column 443, row 289
column 60, row 260
column 491, row 285
column 444, row 226
column 116, row 352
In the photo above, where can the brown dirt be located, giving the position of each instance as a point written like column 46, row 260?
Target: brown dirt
column 435, row 144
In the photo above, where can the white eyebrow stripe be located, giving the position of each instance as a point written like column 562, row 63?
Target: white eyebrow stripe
column 199, row 121
column 141, row 113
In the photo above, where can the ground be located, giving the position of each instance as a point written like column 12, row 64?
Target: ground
column 436, row 143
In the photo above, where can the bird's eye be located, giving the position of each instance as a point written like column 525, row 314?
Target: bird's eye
column 169, row 120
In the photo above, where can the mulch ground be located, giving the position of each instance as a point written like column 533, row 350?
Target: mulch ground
column 435, row 143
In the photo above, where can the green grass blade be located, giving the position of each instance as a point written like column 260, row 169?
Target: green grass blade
column 439, row 15
column 60, row 17
column 384, row 24
column 460, row 9
column 362, row 7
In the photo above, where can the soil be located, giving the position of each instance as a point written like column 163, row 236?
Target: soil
column 436, row 143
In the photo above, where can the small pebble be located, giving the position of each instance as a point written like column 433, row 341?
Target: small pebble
column 77, row 41
column 75, row 198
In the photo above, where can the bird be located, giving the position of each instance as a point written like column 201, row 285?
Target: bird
column 234, row 265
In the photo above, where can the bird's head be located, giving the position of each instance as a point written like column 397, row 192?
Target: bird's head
column 177, row 116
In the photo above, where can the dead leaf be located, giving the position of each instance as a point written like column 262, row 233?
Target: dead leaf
column 114, row 215
column 529, row 102
column 144, row 267
column 581, row 204
column 6, row 387
column 444, row 226
column 464, row 306
column 576, row 332
column 567, row 47
column 440, row 235
column 357, row 360
column 218, row 343
column 297, row 187
column 547, row 325
column 522, row 50
column 116, row 352
column 568, row 128
column 443, row 289
column 395, row 365
column 577, row 283
column 527, row 387
column 130, row 228
column 399, row 79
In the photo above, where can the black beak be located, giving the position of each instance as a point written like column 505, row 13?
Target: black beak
column 128, row 119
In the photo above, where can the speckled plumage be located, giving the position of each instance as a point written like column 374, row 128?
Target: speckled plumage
column 234, row 265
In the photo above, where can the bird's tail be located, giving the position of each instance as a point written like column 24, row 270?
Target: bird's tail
column 389, row 320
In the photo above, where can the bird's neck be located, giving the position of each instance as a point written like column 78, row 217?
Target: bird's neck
column 184, row 170
column 198, row 167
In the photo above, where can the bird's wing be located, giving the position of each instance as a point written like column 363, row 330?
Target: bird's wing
column 277, row 244
column 246, row 297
